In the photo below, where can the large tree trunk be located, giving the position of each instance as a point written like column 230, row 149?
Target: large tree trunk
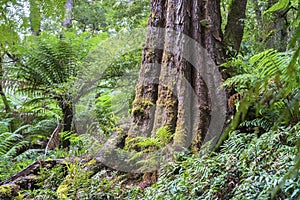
column 147, row 87
column 171, row 91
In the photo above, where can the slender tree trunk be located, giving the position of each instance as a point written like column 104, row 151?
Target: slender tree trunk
column 234, row 32
column 234, row 29
column 68, row 20
column 5, row 101
column 3, row 96
column 35, row 17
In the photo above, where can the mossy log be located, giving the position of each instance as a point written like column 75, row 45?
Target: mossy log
column 32, row 169
column 26, row 178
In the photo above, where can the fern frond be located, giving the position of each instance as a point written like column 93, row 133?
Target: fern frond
column 240, row 82
column 237, row 142
column 7, row 141
column 149, row 142
column 258, row 122
column 16, row 147
column 164, row 135
column 269, row 62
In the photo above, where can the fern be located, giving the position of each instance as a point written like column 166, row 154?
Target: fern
column 260, row 123
column 164, row 135
column 10, row 143
column 237, row 143
column 7, row 141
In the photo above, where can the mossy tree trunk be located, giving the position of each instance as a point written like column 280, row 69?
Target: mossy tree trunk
column 162, row 96
column 147, row 87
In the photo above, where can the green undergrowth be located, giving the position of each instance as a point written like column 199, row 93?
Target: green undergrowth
column 248, row 166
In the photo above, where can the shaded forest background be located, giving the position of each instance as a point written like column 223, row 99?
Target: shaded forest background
column 67, row 86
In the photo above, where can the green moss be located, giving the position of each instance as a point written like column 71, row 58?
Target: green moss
column 5, row 190
column 63, row 190
column 143, row 103
column 118, row 130
column 180, row 137
column 150, row 54
column 131, row 143
column 196, row 143
column 19, row 197
column 91, row 163
column 138, row 111
column 153, row 15
column 9, row 191
column 139, row 106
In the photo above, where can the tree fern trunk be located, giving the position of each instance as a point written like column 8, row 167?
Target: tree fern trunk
column 67, row 111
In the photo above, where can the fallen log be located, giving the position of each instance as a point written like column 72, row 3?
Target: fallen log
column 33, row 169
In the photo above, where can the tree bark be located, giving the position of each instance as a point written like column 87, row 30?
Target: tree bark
column 176, row 93
column 67, row 111
column 147, row 86
column 3, row 96
column 234, row 29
